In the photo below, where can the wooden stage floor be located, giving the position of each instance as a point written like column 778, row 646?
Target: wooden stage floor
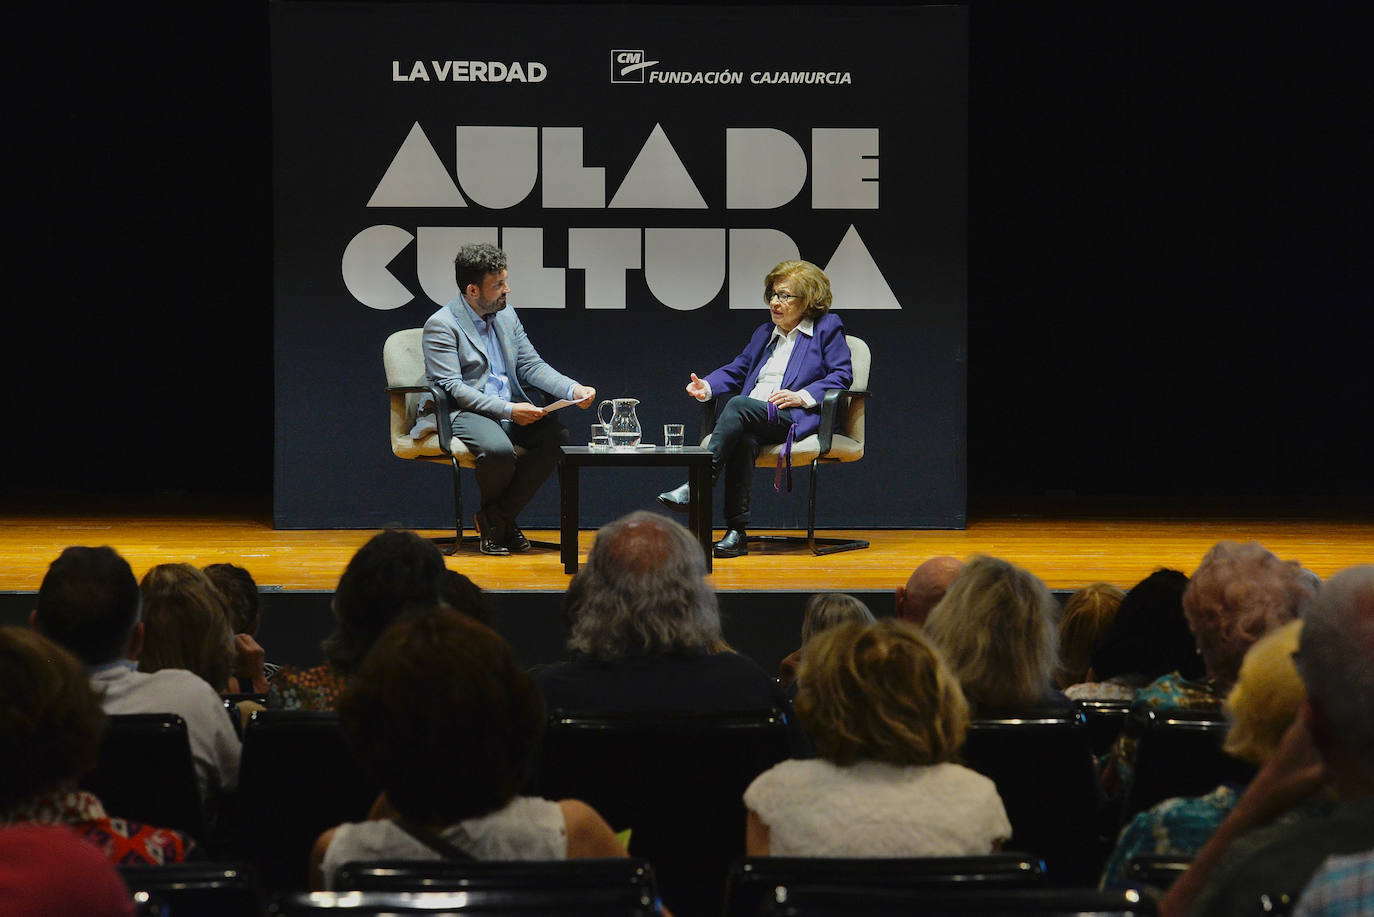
column 1065, row 553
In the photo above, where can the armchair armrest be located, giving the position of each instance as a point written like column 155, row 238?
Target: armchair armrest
column 830, row 406
column 442, row 415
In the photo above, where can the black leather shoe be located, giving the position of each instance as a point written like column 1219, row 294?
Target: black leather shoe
column 516, row 542
column 490, row 538
column 678, row 499
column 734, row 544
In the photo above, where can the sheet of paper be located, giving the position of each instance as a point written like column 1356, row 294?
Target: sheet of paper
column 560, row 403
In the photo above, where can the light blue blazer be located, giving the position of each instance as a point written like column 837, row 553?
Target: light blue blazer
column 456, row 359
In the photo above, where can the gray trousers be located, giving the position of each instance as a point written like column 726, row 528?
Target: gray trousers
column 507, row 482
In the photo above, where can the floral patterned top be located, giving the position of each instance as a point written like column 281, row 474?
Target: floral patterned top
column 1182, row 826
column 305, row 689
column 124, row 842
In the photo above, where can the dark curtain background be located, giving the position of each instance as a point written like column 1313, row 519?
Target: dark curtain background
column 1171, row 300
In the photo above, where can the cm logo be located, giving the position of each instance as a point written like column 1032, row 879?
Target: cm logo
column 629, row 66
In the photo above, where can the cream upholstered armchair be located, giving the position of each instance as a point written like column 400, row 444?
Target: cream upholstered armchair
column 407, row 385
column 839, row 439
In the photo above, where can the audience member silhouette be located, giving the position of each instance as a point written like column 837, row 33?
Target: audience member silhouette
column 925, row 588
column 51, row 725
column 185, row 625
column 1261, row 706
column 1147, row 638
column 447, row 720
column 643, row 621
column 240, row 592
column 824, row 610
column 1087, row 615
column 89, row 603
column 996, row 627
column 1330, row 744
column 887, row 718
column 1238, row 594
column 392, row 572
column 46, row 870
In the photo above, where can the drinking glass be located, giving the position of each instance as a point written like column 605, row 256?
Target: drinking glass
column 600, row 438
column 673, row 436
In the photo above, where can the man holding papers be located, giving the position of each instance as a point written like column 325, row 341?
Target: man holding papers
column 477, row 350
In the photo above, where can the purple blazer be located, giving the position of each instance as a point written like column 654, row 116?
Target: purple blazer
column 818, row 363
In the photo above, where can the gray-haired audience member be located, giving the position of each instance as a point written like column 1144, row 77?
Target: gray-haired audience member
column 1330, row 744
column 824, row 610
column 925, row 588
column 642, row 620
column 89, row 603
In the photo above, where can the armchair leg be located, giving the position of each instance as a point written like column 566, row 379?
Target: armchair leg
column 817, row 545
column 450, row 546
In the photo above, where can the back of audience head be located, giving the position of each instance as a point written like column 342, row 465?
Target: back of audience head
column 642, row 592
column 185, row 624
column 1334, row 654
column 1149, row 636
column 925, row 588
column 1087, row 615
column 240, row 594
column 444, row 716
column 51, row 721
column 997, row 629
column 880, row 692
column 825, row 610
column 1239, row 593
column 1266, row 696
column 393, row 571
column 88, row 602
column 462, row 594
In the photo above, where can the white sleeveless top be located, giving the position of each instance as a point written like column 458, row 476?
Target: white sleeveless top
column 870, row 809
column 528, row 828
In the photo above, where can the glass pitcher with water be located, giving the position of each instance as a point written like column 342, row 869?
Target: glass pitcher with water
column 623, row 424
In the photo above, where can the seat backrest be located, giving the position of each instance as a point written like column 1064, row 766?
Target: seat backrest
column 861, row 359
column 1035, row 902
column 1179, row 754
column 145, row 773
column 1157, row 871
column 754, row 881
column 404, row 358
column 1105, row 719
column 1044, row 771
column 206, row 889
column 480, row 903
column 677, row 781
column 297, row 779
column 618, row 884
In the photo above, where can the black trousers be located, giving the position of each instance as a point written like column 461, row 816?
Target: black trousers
column 741, row 428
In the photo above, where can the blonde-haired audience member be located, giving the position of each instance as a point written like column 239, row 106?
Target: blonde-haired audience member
column 1262, row 705
column 185, row 624
column 997, row 628
column 1088, row 614
column 887, row 718
column 824, row 610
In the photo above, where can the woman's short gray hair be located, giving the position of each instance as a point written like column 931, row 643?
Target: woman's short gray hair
column 642, row 592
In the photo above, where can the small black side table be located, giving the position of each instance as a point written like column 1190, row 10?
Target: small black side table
column 695, row 459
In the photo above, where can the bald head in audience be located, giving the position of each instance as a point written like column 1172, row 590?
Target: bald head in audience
column 926, row 587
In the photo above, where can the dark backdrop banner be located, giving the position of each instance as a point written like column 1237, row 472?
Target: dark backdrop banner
column 643, row 166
